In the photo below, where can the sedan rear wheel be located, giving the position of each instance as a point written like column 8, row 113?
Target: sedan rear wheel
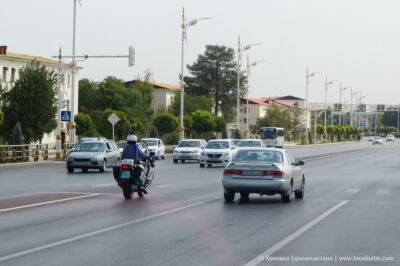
column 300, row 193
column 202, row 165
column 244, row 195
column 288, row 195
column 229, row 196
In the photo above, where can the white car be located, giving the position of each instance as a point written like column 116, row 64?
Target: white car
column 377, row 141
column 217, row 152
column 389, row 137
column 189, row 149
column 156, row 146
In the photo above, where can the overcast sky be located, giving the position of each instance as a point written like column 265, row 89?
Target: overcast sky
column 356, row 42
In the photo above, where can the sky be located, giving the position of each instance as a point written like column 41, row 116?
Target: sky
column 353, row 42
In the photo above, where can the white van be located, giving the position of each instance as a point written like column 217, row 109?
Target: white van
column 272, row 136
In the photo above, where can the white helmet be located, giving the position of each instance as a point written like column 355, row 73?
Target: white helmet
column 131, row 137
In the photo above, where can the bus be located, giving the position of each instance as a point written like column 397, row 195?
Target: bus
column 272, row 136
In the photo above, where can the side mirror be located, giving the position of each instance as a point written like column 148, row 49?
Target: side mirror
column 301, row 162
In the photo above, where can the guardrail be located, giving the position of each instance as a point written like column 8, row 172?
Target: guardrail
column 23, row 153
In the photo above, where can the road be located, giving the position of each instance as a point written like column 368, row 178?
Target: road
column 351, row 208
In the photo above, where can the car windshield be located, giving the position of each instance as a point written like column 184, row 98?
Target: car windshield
column 122, row 145
column 150, row 142
column 217, row 145
column 250, row 143
column 390, row 136
column 189, row 143
column 91, row 147
column 259, row 156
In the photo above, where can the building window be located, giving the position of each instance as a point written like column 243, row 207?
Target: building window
column 245, row 120
column 5, row 70
column 13, row 71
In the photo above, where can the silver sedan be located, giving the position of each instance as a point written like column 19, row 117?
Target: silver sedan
column 264, row 171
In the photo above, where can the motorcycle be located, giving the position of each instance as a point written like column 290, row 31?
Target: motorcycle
column 134, row 176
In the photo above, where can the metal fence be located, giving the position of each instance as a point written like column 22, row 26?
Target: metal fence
column 23, row 153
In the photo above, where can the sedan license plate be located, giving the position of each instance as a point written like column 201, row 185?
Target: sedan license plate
column 251, row 173
column 125, row 174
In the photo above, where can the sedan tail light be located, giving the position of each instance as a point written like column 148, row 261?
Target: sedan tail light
column 273, row 173
column 125, row 167
column 233, row 172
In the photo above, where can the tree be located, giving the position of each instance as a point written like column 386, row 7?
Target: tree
column 191, row 103
column 220, row 124
column 298, row 116
column 153, row 132
column 84, row 125
column 389, row 119
column 1, row 117
column 165, row 123
column 188, row 124
column 275, row 117
column 214, row 74
column 203, row 122
column 32, row 102
column 104, row 127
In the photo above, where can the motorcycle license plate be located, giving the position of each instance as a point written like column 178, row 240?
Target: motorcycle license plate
column 125, row 174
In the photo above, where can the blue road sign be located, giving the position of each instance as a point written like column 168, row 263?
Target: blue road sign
column 66, row 116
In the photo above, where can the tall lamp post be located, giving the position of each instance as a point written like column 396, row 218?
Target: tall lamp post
column 240, row 49
column 73, row 63
column 184, row 27
column 249, row 66
column 351, row 104
column 327, row 83
column 341, row 90
column 308, row 76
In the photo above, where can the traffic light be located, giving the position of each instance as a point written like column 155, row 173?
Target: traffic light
column 338, row 107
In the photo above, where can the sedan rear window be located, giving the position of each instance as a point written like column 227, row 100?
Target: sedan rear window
column 249, row 143
column 91, row 147
column 189, row 143
column 261, row 156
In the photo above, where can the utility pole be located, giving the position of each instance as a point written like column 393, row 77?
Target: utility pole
column 183, row 25
column 72, row 123
column 325, row 107
column 239, row 62
column 308, row 75
column 59, row 106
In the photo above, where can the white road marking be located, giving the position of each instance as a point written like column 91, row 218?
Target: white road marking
column 383, row 191
column 353, row 190
column 97, row 232
column 47, row 202
column 105, row 185
column 261, row 258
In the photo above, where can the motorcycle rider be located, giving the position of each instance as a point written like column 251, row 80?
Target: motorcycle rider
column 133, row 152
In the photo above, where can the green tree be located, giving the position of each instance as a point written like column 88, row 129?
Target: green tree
column 203, row 122
column 88, row 96
column 84, row 125
column 191, row 103
column 1, row 117
column 165, row 123
column 188, row 124
column 153, row 132
column 275, row 117
column 214, row 74
column 32, row 102
column 220, row 124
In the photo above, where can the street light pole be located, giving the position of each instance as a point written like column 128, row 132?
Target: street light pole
column 351, row 105
column 325, row 107
column 72, row 133
column 248, row 71
column 184, row 27
column 182, row 131
column 239, row 59
column 340, row 101
column 308, row 75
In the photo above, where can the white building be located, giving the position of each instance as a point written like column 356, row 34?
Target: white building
column 163, row 94
column 11, row 63
column 258, row 108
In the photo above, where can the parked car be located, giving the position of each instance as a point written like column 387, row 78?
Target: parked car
column 389, row 138
column 217, row 152
column 264, row 171
column 245, row 143
column 156, row 146
column 189, row 149
column 93, row 154
column 236, row 142
column 370, row 139
column 377, row 141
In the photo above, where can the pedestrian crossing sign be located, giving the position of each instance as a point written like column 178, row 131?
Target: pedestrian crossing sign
column 66, row 116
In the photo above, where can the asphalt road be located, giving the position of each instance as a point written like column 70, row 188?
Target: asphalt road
column 350, row 212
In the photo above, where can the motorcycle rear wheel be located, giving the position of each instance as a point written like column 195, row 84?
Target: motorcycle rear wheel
column 127, row 193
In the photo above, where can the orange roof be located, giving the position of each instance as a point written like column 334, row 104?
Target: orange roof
column 162, row 85
column 28, row 58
